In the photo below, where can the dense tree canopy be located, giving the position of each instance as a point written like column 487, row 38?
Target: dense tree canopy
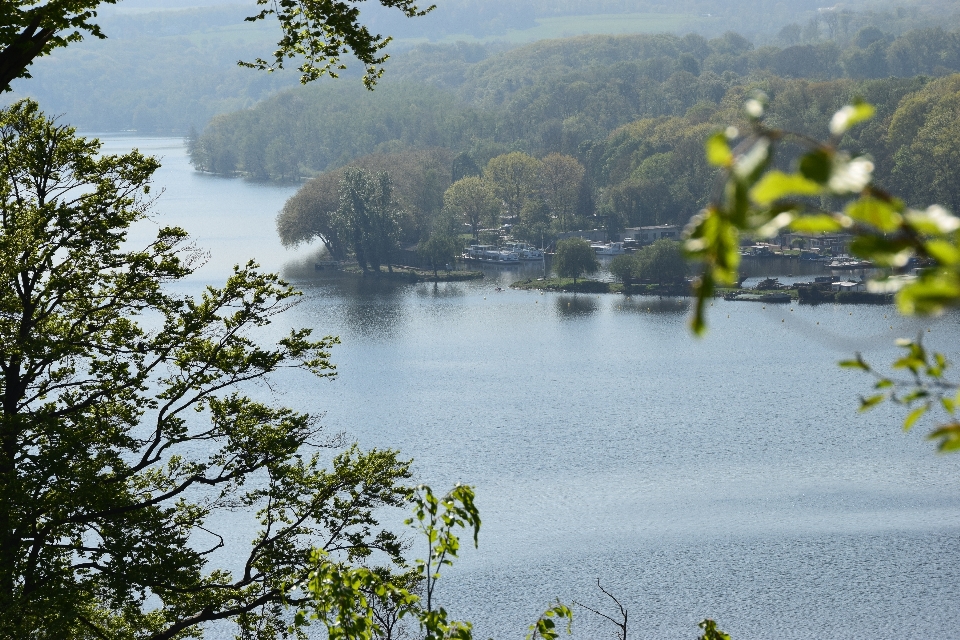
column 473, row 201
column 574, row 258
column 368, row 217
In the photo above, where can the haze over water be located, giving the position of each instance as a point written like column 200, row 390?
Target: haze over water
column 729, row 477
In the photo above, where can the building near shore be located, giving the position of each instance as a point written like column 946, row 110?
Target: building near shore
column 650, row 234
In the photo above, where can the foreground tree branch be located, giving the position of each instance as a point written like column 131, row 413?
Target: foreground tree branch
column 124, row 431
column 318, row 33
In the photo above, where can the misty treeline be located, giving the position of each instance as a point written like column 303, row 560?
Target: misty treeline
column 631, row 112
column 165, row 71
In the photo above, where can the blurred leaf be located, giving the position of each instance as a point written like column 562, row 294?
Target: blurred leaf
column 858, row 363
column 933, row 291
column 914, row 415
column 816, row 166
column 777, row 184
column 944, row 252
column 821, row 223
column 949, row 405
column 935, row 220
column 850, row 115
column 878, row 213
column 867, row 403
column 751, row 164
column 949, row 436
column 718, row 151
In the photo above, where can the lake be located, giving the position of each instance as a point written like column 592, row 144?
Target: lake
column 729, row 477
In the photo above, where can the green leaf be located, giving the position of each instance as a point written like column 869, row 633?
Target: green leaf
column 821, row 223
column 857, row 363
column 711, row 632
column 849, row 116
column 949, row 436
column 914, row 415
column 949, row 404
column 868, row 403
column 879, row 213
column 777, row 184
column 944, row 252
column 718, row 151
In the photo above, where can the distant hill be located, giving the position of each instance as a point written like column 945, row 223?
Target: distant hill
column 170, row 65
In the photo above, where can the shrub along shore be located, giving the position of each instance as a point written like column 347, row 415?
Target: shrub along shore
column 804, row 294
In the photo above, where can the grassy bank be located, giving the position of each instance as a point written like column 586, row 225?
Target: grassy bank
column 805, row 294
column 567, row 285
column 411, row 274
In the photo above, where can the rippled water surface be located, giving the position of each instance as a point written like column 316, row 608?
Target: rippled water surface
column 728, row 477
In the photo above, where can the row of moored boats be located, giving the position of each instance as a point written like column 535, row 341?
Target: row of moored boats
column 512, row 253
column 517, row 252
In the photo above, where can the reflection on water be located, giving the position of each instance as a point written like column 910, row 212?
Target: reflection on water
column 365, row 308
column 440, row 290
column 575, row 306
column 655, row 305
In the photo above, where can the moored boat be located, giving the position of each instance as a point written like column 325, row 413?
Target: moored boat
column 608, row 249
column 490, row 254
column 525, row 252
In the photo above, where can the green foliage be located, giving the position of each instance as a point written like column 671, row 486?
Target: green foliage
column 625, row 268
column 321, row 32
column 574, row 258
column 438, row 519
column 560, row 181
column 662, row 262
column 472, row 200
column 546, row 627
column 418, row 178
column 368, row 218
column 439, row 250
column 761, row 200
column 926, row 388
column 357, row 602
column 514, row 179
column 124, row 419
column 710, row 631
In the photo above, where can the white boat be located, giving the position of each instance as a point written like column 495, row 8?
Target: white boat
column 849, row 263
column 608, row 249
column 526, row 252
column 490, row 254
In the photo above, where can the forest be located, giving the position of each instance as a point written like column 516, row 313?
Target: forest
column 171, row 65
column 631, row 113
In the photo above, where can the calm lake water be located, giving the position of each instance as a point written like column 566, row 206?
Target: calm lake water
column 728, row 477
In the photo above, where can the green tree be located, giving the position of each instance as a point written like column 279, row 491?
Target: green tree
column 439, row 249
column 574, row 258
column 126, row 431
column 316, row 32
column 560, row 178
column 368, row 217
column 514, row 178
column 472, row 200
column 662, row 262
column 311, row 214
column 626, row 268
